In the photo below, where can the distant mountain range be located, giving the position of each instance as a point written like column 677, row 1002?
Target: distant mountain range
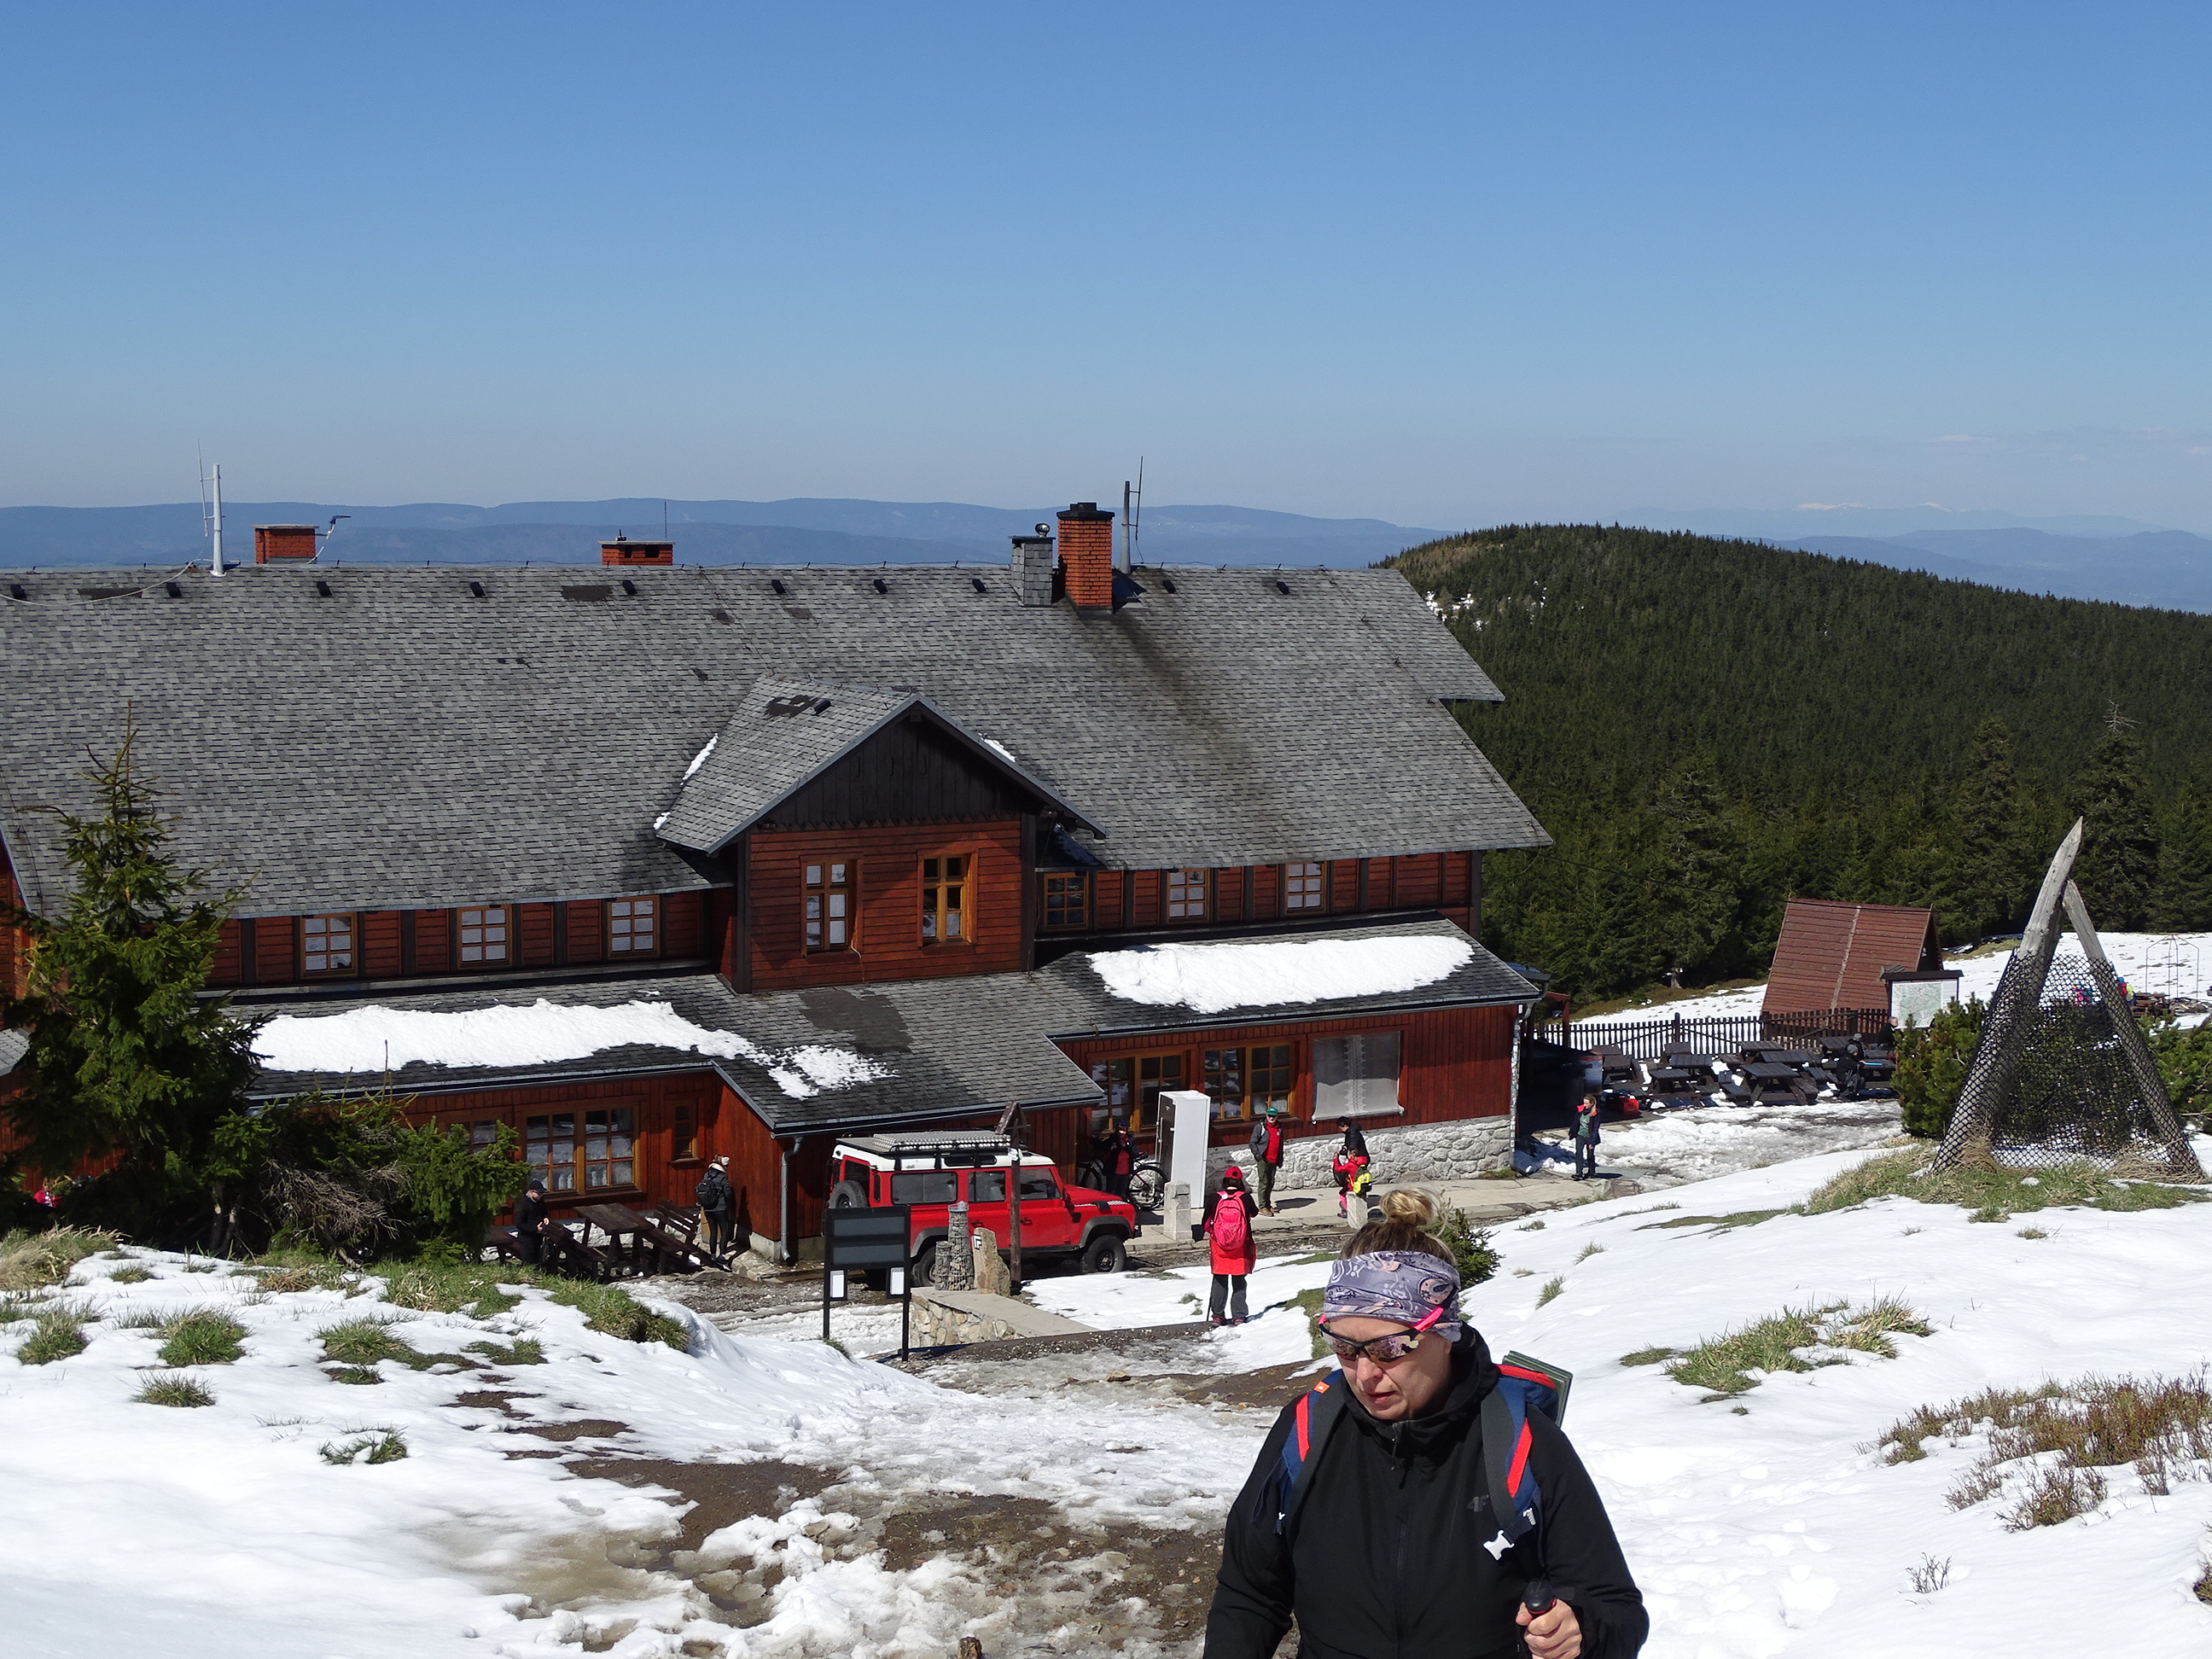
column 2120, row 560
column 797, row 532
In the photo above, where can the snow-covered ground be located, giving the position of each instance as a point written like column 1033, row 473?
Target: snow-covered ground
column 1697, row 1143
column 135, row 1528
column 2170, row 964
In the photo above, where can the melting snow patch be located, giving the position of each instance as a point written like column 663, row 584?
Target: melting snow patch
column 700, row 759
column 1213, row 978
column 810, row 1070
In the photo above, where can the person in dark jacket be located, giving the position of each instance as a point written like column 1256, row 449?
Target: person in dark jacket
column 1391, row 1548
column 1117, row 1150
column 1267, row 1156
column 1354, row 1170
column 717, row 1203
column 1586, row 1134
column 1229, row 1249
column 530, row 1220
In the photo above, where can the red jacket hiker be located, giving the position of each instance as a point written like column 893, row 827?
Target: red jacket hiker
column 1233, row 1254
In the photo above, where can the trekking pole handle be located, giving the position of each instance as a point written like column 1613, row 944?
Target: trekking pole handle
column 1538, row 1597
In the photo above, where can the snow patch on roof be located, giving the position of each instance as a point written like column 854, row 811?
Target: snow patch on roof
column 365, row 1041
column 993, row 742
column 1214, row 978
column 700, row 759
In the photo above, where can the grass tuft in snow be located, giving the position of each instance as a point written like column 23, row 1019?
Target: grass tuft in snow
column 1532, row 1226
column 172, row 1391
column 2033, row 1232
column 528, row 1351
column 1993, row 1193
column 1929, row 1575
column 1723, row 1365
column 29, row 1261
column 2202, row 1587
column 1589, row 1250
column 2063, row 1435
column 613, row 1312
column 58, row 1333
column 360, row 1343
column 202, row 1336
column 1719, row 1224
column 1646, row 1356
column 451, row 1286
column 385, row 1447
column 1552, row 1289
column 133, row 1274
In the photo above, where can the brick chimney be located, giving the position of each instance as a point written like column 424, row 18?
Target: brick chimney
column 624, row 551
column 283, row 541
column 1036, row 567
column 1086, row 551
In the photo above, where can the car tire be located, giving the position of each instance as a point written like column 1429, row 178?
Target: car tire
column 1106, row 1253
column 924, row 1270
column 849, row 1195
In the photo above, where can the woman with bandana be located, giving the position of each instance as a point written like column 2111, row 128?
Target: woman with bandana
column 1385, row 1552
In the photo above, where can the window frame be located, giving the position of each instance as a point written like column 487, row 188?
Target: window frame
column 1318, row 904
column 505, row 925
column 577, row 1115
column 931, row 919
column 352, row 968
column 829, row 891
column 1143, row 1098
column 630, row 952
column 1360, row 1080
column 1173, row 909
column 1081, row 880
column 1259, row 1085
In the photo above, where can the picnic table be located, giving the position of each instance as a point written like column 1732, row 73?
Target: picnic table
column 639, row 1244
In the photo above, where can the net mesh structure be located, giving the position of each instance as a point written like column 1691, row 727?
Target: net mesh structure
column 2063, row 1073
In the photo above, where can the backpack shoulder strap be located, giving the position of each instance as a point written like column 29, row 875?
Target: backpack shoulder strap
column 1508, row 1479
column 1311, row 1420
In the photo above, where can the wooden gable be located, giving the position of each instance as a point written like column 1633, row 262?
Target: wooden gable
column 914, row 770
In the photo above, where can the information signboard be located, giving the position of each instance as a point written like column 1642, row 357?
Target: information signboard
column 858, row 1240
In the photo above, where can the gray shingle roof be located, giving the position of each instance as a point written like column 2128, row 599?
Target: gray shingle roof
column 783, row 733
column 13, row 1045
column 404, row 742
column 933, row 1048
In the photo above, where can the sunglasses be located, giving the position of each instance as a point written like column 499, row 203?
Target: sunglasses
column 1383, row 1350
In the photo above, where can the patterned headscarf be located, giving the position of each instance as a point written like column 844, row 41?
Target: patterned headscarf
column 1410, row 1287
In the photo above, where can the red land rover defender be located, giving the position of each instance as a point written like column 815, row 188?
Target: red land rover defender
column 931, row 1169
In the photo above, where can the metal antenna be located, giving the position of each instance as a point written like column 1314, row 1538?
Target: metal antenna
column 212, row 524
column 1136, row 524
column 330, row 531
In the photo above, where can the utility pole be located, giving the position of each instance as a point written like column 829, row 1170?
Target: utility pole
column 1128, row 549
column 215, row 523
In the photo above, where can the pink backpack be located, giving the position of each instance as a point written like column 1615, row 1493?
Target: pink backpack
column 1230, row 1230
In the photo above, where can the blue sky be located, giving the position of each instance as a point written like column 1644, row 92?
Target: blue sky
column 1440, row 264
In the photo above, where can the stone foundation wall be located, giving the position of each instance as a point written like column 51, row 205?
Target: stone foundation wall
column 1403, row 1154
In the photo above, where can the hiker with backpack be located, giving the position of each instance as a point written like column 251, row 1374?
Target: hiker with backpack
column 717, row 1203
column 1267, row 1156
column 1423, row 1500
column 1227, row 1225
column 1354, row 1170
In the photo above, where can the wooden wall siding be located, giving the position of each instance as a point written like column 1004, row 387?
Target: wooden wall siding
column 887, row 936
column 379, row 945
column 909, row 772
column 229, row 952
column 1343, row 892
column 654, row 1099
column 1420, row 880
column 586, row 919
column 1149, row 887
column 1106, row 899
column 1458, row 878
column 1454, row 1063
column 1267, row 892
column 433, row 941
column 683, row 925
column 275, row 958
column 533, row 934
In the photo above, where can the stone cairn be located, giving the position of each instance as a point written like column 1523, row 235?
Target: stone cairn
column 956, row 1261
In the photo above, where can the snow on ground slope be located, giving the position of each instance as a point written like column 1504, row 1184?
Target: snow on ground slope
column 223, row 1530
column 1697, row 1143
column 1778, row 1531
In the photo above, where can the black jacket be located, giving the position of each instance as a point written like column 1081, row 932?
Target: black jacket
column 1384, row 1560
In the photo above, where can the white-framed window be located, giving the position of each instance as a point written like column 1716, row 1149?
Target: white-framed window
column 633, row 926
column 1188, row 894
column 1355, row 1076
column 829, row 905
column 1302, row 888
column 326, row 945
column 484, row 935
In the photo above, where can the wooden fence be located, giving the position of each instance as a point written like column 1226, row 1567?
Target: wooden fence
column 1647, row 1039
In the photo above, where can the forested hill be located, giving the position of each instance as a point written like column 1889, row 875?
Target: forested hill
column 1709, row 727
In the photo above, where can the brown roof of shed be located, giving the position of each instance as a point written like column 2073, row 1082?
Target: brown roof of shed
column 1832, row 955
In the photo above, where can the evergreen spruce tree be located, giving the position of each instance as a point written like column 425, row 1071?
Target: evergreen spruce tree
column 125, row 1057
column 2119, row 869
column 1701, row 869
column 1988, row 887
column 2184, row 903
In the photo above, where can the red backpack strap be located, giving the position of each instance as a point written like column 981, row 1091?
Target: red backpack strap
column 1311, row 1420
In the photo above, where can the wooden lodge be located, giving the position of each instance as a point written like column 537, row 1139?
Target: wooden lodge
column 661, row 863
